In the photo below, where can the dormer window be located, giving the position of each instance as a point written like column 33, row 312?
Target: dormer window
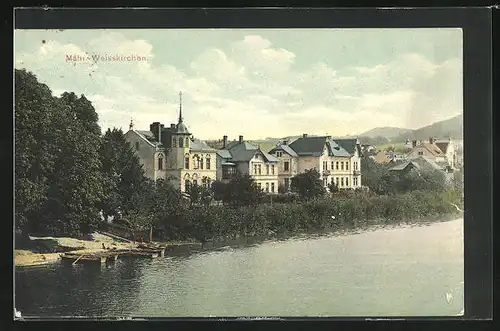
column 174, row 142
column 279, row 154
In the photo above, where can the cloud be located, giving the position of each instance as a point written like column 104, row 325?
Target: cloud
column 250, row 86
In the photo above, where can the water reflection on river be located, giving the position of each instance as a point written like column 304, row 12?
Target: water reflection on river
column 405, row 271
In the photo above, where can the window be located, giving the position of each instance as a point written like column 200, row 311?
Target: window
column 208, row 163
column 287, row 166
column 337, row 165
column 342, row 181
column 201, row 163
column 186, row 163
column 160, row 163
column 337, row 181
column 181, row 142
column 347, row 181
column 279, row 154
column 341, row 165
column 347, row 165
column 267, row 187
column 267, row 169
column 332, row 165
column 259, row 185
column 260, row 169
column 287, row 183
column 186, row 184
column 272, row 169
column 325, row 165
column 254, row 169
column 355, row 165
column 137, row 145
column 420, row 153
column 195, row 182
column 174, row 142
column 325, row 181
column 355, row 181
column 196, row 162
column 272, row 187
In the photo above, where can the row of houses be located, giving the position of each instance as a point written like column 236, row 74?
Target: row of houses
column 444, row 153
column 171, row 153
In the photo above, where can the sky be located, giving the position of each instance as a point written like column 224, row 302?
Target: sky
column 257, row 83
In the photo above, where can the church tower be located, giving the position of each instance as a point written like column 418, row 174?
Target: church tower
column 180, row 142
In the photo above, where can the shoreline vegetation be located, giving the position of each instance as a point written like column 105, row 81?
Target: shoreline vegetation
column 219, row 226
column 70, row 179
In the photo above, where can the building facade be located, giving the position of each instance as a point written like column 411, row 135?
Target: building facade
column 336, row 160
column 245, row 158
column 442, row 152
column 172, row 154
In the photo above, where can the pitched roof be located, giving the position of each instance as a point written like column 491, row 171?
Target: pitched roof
column 309, row 146
column 349, row 144
column 244, row 152
column 314, row 146
column 443, row 145
column 268, row 157
column 426, row 162
column 149, row 136
column 432, row 148
column 284, row 148
column 224, row 153
column 335, row 149
column 198, row 145
column 403, row 166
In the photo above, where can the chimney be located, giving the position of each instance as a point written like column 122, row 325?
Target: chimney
column 224, row 142
column 172, row 126
column 285, row 142
column 241, row 139
column 414, row 144
column 155, row 128
column 304, row 135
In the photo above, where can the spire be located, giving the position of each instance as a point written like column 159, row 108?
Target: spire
column 180, row 107
column 131, row 126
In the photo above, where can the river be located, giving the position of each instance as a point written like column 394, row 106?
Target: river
column 410, row 271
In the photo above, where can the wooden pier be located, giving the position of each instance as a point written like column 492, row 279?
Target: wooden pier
column 111, row 255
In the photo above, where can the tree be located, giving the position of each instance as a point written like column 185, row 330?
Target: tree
column 57, row 170
column 333, row 187
column 123, row 174
column 373, row 173
column 77, row 181
column 35, row 151
column 308, row 184
column 241, row 190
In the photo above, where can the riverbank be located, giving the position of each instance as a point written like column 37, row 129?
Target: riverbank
column 28, row 258
column 32, row 257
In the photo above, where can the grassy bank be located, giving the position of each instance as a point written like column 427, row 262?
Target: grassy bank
column 338, row 213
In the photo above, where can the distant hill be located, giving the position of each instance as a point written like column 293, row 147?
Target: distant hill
column 386, row 132
column 452, row 127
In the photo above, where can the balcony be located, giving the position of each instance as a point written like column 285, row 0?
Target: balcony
column 326, row 172
column 356, row 173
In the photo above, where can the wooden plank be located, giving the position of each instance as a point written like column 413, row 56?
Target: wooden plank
column 78, row 259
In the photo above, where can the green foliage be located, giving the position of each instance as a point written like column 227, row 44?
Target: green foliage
column 308, row 184
column 58, row 178
column 333, row 188
column 123, row 175
column 241, row 190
